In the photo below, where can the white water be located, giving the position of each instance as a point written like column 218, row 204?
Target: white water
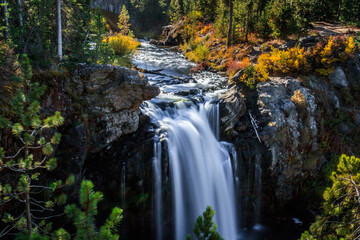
column 201, row 167
column 157, row 187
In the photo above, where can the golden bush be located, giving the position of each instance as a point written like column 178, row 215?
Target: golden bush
column 121, row 44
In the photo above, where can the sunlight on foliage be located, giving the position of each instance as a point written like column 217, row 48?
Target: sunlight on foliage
column 121, row 44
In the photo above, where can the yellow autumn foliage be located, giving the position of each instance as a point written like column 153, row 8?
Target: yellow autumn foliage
column 199, row 54
column 121, row 44
column 350, row 45
column 278, row 61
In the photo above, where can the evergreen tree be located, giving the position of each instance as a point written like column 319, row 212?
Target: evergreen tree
column 204, row 228
column 98, row 29
column 340, row 218
column 84, row 217
column 124, row 22
column 36, row 137
column 76, row 32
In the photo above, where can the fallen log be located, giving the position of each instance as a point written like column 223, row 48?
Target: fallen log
column 158, row 72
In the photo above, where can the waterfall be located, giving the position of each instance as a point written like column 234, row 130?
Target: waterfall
column 201, row 167
column 257, row 187
column 157, row 187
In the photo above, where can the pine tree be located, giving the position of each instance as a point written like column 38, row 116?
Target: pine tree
column 124, row 22
column 341, row 206
column 76, row 31
column 205, row 228
column 98, row 29
column 84, row 217
column 36, row 137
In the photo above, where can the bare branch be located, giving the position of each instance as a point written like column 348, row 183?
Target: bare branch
column 255, row 126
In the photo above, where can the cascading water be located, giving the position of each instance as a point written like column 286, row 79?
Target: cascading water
column 201, row 167
column 157, row 187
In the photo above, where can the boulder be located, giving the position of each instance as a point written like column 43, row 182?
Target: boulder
column 338, row 78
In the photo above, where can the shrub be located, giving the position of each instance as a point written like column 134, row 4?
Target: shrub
column 249, row 76
column 335, row 50
column 298, row 99
column 121, row 44
column 199, row 54
column 293, row 60
column 236, row 66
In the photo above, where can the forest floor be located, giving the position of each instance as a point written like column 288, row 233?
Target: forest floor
column 324, row 28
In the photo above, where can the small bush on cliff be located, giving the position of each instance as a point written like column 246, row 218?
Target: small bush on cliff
column 298, row 99
column 340, row 218
column 249, row 76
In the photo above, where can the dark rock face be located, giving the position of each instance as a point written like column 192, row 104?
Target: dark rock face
column 291, row 131
column 232, row 107
column 114, row 6
column 123, row 173
column 100, row 105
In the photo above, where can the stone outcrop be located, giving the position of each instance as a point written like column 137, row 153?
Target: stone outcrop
column 291, row 131
column 100, row 105
column 111, row 97
column 338, row 78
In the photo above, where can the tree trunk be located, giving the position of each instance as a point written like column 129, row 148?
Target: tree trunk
column 230, row 23
column 339, row 8
column 21, row 23
column 247, row 26
column 60, row 54
column 6, row 20
column 28, row 213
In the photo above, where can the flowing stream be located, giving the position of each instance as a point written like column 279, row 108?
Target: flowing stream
column 201, row 168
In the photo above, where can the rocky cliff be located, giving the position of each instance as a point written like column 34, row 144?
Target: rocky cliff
column 100, row 105
column 295, row 126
